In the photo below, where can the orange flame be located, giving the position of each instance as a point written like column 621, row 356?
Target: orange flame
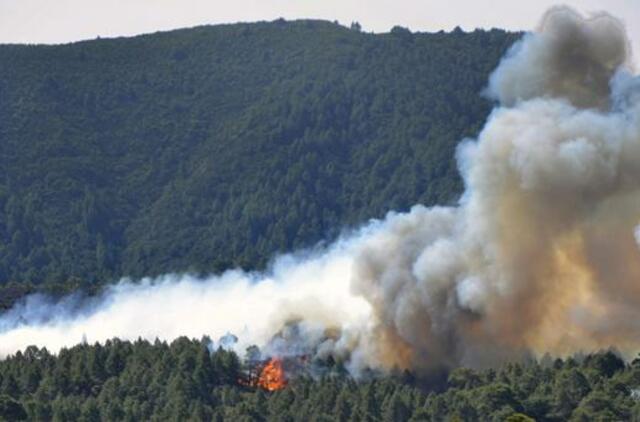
column 272, row 376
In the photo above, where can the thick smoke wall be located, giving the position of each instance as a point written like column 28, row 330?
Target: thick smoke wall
column 541, row 255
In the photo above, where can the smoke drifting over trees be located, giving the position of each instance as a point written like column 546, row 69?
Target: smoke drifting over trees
column 539, row 256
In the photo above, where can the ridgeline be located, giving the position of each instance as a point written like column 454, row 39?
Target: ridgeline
column 219, row 146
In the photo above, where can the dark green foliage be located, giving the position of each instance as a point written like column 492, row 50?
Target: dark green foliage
column 10, row 409
column 184, row 380
column 213, row 147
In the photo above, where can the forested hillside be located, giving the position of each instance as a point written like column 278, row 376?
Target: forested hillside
column 207, row 148
column 185, row 380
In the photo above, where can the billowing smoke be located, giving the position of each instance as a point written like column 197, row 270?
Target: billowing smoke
column 541, row 254
column 568, row 57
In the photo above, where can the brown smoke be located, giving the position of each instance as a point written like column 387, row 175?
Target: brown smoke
column 540, row 255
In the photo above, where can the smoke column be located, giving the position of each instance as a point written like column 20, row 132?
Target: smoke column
column 540, row 255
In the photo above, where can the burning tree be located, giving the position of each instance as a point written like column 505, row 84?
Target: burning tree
column 272, row 377
column 269, row 375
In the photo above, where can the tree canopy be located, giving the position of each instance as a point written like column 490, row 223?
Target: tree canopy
column 187, row 380
column 219, row 146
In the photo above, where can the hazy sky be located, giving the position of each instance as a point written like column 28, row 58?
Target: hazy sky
column 57, row 21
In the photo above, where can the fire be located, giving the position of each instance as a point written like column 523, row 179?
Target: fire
column 272, row 376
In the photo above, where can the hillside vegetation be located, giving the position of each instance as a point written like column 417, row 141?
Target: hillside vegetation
column 216, row 147
column 186, row 381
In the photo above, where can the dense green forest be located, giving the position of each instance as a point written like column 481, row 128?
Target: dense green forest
column 215, row 147
column 220, row 146
column 184, row 380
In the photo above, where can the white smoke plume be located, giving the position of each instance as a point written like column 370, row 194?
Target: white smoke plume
column 540, row 255
column 313, row 287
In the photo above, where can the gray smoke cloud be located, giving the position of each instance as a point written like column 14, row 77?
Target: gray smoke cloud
column 568, row 57
column 541, row 254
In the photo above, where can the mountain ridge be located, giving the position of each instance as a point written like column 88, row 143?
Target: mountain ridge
column 219, row 146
